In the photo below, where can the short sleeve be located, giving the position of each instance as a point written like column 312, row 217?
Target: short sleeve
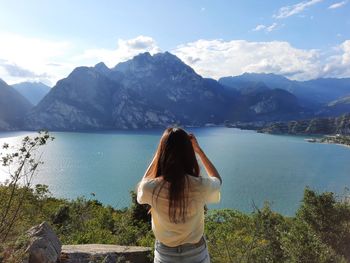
column 211, row 189
column 144, row 191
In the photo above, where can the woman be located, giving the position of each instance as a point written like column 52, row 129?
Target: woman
column 177, row 194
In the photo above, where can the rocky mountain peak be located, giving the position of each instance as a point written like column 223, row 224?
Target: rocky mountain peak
column 102, row 68
column 83, row 75
column 160, row 64
column 166, row 56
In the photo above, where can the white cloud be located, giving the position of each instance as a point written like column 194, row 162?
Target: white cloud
column 218, row 58
column 338, row 65
column 337, row 5
column 23, row 58
column 272, row 27
column 266, row 28
column 34, row 59
column 346, row 52
column 126, row 49
column 259, row 27
column 287, row 11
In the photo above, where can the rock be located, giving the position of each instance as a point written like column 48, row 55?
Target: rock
column 92, row 253
column 44, row 245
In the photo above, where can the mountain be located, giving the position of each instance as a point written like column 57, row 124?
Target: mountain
column 271, row 80
column 80, row 101
column 146, row 91
column 13, row 107
column 330, row 125
column 313, row 93
column 164, row 82
column 258, row 103
column 32, row 91
column 326, row 90
column 158, row 90
column 335, row 108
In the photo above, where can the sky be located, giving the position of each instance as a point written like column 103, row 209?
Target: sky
column 44, row 40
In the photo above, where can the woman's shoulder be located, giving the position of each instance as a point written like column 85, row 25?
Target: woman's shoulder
column 204, row 180
column 150, row 182
column 201, row 178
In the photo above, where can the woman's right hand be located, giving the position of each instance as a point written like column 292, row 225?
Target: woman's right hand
column 194, row 142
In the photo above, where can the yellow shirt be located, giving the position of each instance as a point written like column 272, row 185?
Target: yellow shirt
column 202, row 190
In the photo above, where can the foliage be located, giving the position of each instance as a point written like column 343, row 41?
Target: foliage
column 337, row 139
column 22, row 162
column 328, row 218
column 79, row 221
column 139, row 213
column 318, row 233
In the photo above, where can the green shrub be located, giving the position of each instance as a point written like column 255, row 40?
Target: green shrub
column 318, row 233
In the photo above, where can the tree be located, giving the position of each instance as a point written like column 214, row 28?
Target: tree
column 139, row 213
column 328, row 218
column 22, row 162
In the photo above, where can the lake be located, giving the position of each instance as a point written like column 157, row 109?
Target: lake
column 255, row 167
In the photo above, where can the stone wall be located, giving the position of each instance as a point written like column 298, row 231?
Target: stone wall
column 45, row 247
column 104, row 253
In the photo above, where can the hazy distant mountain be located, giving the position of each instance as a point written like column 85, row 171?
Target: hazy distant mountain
column 258, row 103
column 32, row 91
column 326, row 90
column 13, row 107
column 312, row 93
column 271, row 80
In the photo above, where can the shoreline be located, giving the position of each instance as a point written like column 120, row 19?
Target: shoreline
column 325, row 142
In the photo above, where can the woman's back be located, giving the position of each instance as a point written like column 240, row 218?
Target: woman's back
column 199, row 191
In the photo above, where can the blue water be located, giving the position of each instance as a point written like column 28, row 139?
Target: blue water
column 254, row 167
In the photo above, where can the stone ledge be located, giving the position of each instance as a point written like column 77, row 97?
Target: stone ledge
column 104, row 253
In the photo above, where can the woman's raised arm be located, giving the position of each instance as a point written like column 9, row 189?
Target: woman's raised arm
column 149, row 169
column 208, row 165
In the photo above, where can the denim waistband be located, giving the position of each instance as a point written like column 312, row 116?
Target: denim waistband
column 183, row 247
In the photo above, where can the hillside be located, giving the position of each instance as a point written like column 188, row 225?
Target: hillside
column 337, row 125
column 335, row 107
column 13, row 107
column 263, row 104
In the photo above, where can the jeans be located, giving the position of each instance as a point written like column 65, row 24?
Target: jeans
column 186, row 253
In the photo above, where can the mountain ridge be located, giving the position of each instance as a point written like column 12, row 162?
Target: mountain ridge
column 316, row 92
column 158, row 90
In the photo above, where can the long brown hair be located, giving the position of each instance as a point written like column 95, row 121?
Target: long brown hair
column 174, row 158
